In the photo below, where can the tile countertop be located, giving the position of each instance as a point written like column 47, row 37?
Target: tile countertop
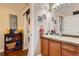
column 72, row 40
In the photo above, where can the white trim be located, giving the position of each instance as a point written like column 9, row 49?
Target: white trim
column 25, row 48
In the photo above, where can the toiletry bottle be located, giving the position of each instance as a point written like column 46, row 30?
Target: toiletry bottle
column 41, row 30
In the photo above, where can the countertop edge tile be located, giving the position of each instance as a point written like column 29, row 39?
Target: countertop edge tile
column 63, row 39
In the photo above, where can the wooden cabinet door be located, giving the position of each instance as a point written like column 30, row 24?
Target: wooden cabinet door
column 44, row 47
column 54, row 48
column 69, row 49
column 68, row 53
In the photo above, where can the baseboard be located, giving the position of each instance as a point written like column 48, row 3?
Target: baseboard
column 1, row 52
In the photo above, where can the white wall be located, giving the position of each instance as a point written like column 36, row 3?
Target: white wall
column 39, row 10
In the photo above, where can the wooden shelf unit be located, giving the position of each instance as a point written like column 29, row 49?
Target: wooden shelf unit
column 15, row 39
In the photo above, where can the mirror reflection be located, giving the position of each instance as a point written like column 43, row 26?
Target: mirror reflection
column 65, row 18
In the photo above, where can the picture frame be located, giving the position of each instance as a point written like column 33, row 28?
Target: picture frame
column 44, row 17
column 40, row 19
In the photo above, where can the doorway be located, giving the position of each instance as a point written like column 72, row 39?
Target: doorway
column 26, row 16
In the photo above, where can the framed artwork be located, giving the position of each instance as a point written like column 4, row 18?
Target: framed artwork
column 44, row 16
column 40, row 19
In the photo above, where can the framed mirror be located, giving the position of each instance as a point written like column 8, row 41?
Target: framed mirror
column 13, row 22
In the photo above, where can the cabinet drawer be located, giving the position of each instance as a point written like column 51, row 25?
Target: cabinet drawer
column 68, row 53
column 69, row 47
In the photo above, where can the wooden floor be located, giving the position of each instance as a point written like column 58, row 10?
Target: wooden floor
column 17, row 53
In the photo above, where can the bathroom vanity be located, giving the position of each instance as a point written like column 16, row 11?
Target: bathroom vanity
column 52, row 45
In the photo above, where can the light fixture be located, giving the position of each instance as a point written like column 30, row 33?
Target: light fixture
column 57, row 4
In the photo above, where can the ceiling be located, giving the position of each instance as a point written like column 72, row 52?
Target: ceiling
column 14, row 6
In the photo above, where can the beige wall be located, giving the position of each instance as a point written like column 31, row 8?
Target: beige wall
column 4, row 23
